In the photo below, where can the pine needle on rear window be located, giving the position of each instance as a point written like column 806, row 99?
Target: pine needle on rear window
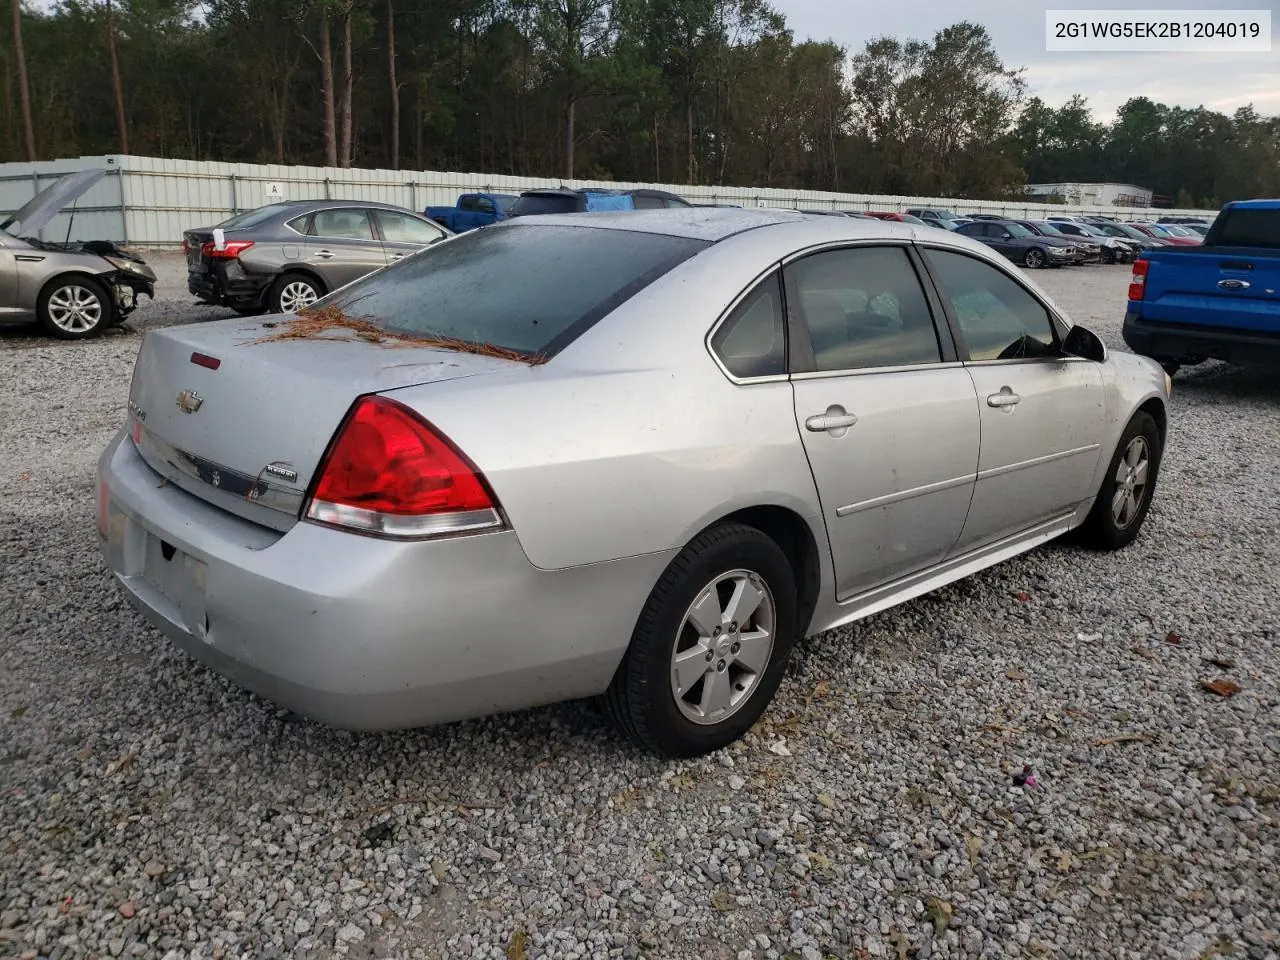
column 329, row 322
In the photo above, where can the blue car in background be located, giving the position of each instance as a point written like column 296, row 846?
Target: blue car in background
column 473, row 210
column 565, row 200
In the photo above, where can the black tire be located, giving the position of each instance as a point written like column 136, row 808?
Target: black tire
column 279, row 289
column 58, row 316
column 1102, row 529
column 641, row 700
column 1034, row 258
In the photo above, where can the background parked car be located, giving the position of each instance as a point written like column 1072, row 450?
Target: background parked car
column 1114, row 249
column 897, row 217
column 985, row 216
column 285, row 256
column 1161, row 232
column 1085, row 250
column 931, row 215
column 75, row 289
column 473, row 210
column 1123, row 230
column 564, row 200
column 1019, row 243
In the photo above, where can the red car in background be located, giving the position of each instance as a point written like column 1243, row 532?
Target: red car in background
column 899, row 217
column 1162, row 232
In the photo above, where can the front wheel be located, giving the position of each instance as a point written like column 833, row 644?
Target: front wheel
column 1034, row 258
column 75, row 308
column 709, row 649
column 1127, row 488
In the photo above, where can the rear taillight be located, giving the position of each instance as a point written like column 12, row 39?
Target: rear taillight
column 1138, row 282
column 390, row 473
column 186, row 247
column 230, row 250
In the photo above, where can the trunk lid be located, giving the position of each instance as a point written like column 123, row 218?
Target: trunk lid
column 1237, row 289
column 248, row 435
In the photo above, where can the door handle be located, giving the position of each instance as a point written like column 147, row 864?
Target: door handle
column 1231, row 283
column 1005, row 398
column 834, row 419
column 323, row 255
column 398, row 256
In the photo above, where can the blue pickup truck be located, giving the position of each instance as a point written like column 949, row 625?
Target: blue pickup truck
column 1216, row 301
column 473, row 210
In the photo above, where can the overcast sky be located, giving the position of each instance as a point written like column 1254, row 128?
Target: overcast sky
column 1217, row 81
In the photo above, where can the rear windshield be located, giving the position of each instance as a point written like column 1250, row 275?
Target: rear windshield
column 532, row 204
column 533, row 289
column 1246, row 228
column 504, row 202
column 252, row 218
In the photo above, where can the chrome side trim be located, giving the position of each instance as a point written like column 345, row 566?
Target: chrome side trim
column 870, row 371
column 904, row 495
column 170, row 462
column 957, row 568
column 1035, row 461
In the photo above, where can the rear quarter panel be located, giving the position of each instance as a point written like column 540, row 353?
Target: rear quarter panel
column 632, row 440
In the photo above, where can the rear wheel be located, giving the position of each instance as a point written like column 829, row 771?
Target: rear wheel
column 709, row 649
column 1034, row 258
column 75, row 308
column 1127, row 487
column 293, row 292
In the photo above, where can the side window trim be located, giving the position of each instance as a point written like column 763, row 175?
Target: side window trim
column 804, row 364
column 771, row 273
column 1059, row 326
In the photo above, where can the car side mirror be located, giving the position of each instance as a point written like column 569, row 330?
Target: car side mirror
column 1082, row 342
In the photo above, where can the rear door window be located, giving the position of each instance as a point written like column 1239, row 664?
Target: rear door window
column 402, row 228
column 344, row 223
column 477, row 287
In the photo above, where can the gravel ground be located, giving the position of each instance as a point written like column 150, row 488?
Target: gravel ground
column 152, row 809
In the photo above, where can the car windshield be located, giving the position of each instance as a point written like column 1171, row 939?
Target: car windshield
column 1091, row 229
column 251, row 218
column 1158, row 230
column 1179, row 231
column 1129, row 231
column 1018, row 230
column 448, row 291
column 531, row 204
column 1049, row 229
column 910, row 218
column 505, row 203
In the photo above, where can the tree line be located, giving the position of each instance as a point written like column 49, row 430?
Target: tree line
column 684, row 91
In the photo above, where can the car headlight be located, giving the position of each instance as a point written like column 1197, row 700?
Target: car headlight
column 128, row 266
column 1061, row 251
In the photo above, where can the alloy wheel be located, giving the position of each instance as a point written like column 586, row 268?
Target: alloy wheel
column 1131, row 482
column 297, row 295
column 723, row 647
column 75, row 309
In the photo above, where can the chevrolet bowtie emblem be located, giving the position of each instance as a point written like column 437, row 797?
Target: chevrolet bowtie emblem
column 189, row 401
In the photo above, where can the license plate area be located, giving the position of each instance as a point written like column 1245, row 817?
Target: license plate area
column 177, row 575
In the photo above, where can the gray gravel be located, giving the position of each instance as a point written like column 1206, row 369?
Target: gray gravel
column 152, row 809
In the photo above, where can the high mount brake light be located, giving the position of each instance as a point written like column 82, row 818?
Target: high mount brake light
column 391, row 474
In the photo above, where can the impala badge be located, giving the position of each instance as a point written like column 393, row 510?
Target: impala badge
column 282, row 471
column 189, row 401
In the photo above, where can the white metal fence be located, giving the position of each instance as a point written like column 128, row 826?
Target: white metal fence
column 148, row 201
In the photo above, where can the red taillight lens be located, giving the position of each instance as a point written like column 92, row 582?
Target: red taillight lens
column 1138, row 282
column 390, row 473
column 230, row 250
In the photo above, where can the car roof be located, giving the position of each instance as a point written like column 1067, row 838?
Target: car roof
column 693, row 223
column 1260, row 204
column 307, row 206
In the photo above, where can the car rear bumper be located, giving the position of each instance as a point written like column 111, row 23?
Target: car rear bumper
column 229, row 284
column 1185, row 343
column 359, row 632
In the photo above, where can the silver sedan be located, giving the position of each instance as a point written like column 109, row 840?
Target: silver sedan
column 634, row 454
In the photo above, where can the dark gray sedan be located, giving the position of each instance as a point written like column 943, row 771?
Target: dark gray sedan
column 1020, row 244
column 285, row 256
